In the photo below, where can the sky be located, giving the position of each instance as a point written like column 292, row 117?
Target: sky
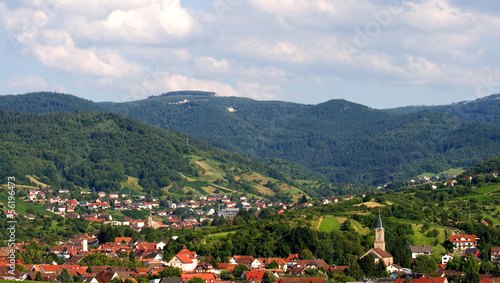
column 379, row 53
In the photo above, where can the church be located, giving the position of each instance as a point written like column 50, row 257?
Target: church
column 378, row 252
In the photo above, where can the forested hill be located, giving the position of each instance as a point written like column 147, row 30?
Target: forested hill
column 102, row 150
column 344, row 141
column 46, row 102
column 483, row 110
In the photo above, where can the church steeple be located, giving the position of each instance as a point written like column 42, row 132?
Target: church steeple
column 379, row 222
column 379, row 235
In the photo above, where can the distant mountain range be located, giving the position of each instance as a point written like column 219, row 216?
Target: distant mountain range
column 341, row 140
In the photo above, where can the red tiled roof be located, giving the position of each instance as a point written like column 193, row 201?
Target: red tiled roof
column 208, row 277
column 120, row 239
column 51, row 268
column 244, row 259
column 381, row 252
column 227, row 266
column 300, row 280
column 463, row 238
column 255, row 275
column 184, row 258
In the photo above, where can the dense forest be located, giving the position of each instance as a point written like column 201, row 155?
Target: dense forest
column 100, row 150
column 482, row 110
column 335, row 141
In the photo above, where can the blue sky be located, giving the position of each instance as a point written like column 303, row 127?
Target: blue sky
column 380, row 53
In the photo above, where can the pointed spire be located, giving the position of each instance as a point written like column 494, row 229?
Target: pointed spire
column 379, row 222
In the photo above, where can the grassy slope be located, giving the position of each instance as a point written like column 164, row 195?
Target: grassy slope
column 329, row 223
column 420, row 239
column 22, row 206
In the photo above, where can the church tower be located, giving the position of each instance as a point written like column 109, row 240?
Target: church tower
column 150, row 220
column 379, row 235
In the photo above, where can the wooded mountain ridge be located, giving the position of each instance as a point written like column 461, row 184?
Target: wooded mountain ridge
column 101, row 151
column 341, row 140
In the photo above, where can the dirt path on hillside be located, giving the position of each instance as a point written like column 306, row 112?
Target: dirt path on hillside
column 207, row 170
column 319, row 223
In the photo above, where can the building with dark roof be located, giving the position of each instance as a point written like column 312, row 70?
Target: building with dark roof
column 378, row 252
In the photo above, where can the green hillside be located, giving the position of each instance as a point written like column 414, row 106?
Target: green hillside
column 109, row 152
column 482, row 110
column 344, row 141
column 335, row 141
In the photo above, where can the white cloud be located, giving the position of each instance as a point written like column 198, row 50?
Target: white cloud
column 89, row 61
column 153, row 22
column 432, row 15
column 212, row 65
column 257, row 49
column 27, row 83
column 259, row 91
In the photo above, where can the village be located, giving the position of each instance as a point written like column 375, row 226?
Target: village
column 284, row 270
column 163, row 216
column 292, row 269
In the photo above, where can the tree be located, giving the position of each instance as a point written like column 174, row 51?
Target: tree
column 472, row 278
column 433, row 233
column 401, row 252
column 131, row 257
column 306, row 254
column 424, row 264
column 303, row 199
column 381, row 269
column 265, row 213
column 171, row 271
column 266, row 278
column 486, row 267
column 273, row 265
column 471, row 265
column 38, row 276
column 456, row 263
column 238, row 270
column 367, row 263
column 224, row 275
column 64, row 276
column 353, row 268
column 196, row 279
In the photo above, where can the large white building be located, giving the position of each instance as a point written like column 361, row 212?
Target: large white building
column 186, row 260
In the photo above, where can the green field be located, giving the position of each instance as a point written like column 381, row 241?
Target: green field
column 219, row 236
column 132, row 183
column 420, row 239
column 329, row 223
column 292, row 191
column 22, row 206
column 136, row 214
column 449, row 172
column 487, row 189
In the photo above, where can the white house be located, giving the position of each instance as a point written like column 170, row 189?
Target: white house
column 256, row 264
column 185, row 260
column 446, row 258
column 420, row 250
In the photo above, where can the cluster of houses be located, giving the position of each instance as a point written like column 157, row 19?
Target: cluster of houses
column 191, row 264
column 206, row 207
column 151, row 253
